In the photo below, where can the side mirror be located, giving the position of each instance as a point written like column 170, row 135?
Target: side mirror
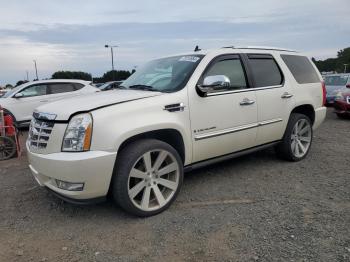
column 212, row 82
column 18, row 95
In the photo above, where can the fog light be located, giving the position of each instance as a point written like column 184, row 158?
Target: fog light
column 69, row 186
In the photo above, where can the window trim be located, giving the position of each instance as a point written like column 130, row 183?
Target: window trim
column 219, row 58
column 249, row 56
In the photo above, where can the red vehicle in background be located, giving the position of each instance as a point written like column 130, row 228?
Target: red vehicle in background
column 342, row 103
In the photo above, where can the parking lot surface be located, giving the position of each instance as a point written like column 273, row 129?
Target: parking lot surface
column 253, row 208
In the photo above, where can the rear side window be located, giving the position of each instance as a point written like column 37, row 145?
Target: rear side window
column 301, row 68
column 77, row 86
column 265, row 70
column 61, row 88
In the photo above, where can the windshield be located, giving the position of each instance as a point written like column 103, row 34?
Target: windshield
column 164, row 75
column 339, row 80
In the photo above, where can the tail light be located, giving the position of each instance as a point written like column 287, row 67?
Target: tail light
column 324, row 92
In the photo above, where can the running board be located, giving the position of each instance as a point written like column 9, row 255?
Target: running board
column 214, row 160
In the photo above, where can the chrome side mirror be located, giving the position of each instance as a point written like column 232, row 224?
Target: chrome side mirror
column 212, row 82
column 18, row 95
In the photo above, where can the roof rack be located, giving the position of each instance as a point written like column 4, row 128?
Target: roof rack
column 261, row 48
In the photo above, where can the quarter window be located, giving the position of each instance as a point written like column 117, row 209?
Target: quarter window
column 265, row 71
column 231, row 68
column 35, row 90
column 301, row 68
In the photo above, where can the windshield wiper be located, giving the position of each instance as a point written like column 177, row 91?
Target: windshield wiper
column 143, row 87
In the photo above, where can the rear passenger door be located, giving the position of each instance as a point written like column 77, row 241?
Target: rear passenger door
column 274, row 94
column 61, row 90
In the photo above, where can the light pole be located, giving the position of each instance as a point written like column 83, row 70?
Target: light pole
column 112, row 55
column 36, row 70
column 345, row 65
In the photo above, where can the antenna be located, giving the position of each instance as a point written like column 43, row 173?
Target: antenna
column 196, row 49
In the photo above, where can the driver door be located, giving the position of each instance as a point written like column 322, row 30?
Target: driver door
column 225, row 119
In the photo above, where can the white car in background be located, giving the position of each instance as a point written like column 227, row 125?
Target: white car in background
column 21, row 101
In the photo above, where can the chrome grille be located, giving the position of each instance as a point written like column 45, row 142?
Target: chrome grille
column 39, row 133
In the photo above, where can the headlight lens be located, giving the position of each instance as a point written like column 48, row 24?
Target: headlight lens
column 77, row 137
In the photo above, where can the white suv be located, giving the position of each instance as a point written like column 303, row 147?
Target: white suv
column 137, row 141
column 21, row 101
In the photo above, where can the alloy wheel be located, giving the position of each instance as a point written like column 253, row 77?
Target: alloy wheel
column 301, row 138
column 153, row 180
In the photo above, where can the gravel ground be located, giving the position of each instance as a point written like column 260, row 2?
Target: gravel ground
column 253, row 208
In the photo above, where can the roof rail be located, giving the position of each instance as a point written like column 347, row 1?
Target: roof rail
column 261, row 48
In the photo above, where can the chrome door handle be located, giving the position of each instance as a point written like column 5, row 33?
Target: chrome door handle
column 286, row 95
column 246, row 102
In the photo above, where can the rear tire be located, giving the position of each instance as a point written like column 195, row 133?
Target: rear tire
column 148, row 177
column 297, row 139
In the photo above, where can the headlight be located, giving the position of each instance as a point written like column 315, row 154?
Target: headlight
column 77, row 137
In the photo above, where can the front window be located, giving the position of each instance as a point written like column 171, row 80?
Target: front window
column 339, row 80
column 164, row 75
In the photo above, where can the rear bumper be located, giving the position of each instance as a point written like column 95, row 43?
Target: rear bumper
column 93, row 168
column 320, row 115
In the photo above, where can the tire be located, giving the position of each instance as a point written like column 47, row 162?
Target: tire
column 142, row 192
column 290, row 145
column 8, row 148
column 341, row 116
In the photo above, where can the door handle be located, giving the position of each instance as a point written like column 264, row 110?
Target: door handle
column 286, row 95
column 246, row 102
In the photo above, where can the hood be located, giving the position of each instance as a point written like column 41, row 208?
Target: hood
column 66, row 107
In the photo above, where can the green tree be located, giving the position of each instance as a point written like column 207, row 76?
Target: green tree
column 335, row 64
column 21, row 82
column 9, row 86
column 72, row 75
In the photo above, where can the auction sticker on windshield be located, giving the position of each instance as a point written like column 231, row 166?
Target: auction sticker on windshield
column 192, row 59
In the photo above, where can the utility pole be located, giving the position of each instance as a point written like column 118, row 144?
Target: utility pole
column 345, row 65
column 27, row 75
column 36, row 70
column 112, row 55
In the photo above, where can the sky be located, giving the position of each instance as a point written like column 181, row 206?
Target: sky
column 70, row 35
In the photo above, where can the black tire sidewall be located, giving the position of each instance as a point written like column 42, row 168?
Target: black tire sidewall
column 126, row 160
column 286, row 143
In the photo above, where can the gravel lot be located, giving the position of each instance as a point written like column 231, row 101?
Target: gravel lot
column 254, row 208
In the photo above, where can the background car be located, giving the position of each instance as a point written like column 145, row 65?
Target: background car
column 342, row 103
column 110, row 85
column 335, row 83
column 21, row 101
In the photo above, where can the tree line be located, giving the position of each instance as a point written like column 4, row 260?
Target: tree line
column 337, row 64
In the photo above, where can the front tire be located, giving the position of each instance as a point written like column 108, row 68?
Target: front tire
column 297, row 139
column 148, row 178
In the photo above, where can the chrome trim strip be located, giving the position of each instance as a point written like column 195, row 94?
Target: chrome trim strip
column 175, row 107
column 243, row 90
column 272, row 121
column 225, row 131
column 236, row 129
column 44, row 116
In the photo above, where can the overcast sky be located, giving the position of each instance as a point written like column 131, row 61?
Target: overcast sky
column 71, row 34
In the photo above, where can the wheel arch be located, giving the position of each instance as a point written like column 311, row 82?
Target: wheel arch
column 307, row 110
column 171, row 136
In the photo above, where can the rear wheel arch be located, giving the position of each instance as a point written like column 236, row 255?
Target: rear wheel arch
column 307, row 110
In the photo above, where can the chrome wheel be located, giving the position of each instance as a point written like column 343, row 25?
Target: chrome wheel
column 301, row 138
column 153, row 180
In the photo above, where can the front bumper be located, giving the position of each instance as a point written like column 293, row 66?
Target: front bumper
column 93, row 168
column 342, row 107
